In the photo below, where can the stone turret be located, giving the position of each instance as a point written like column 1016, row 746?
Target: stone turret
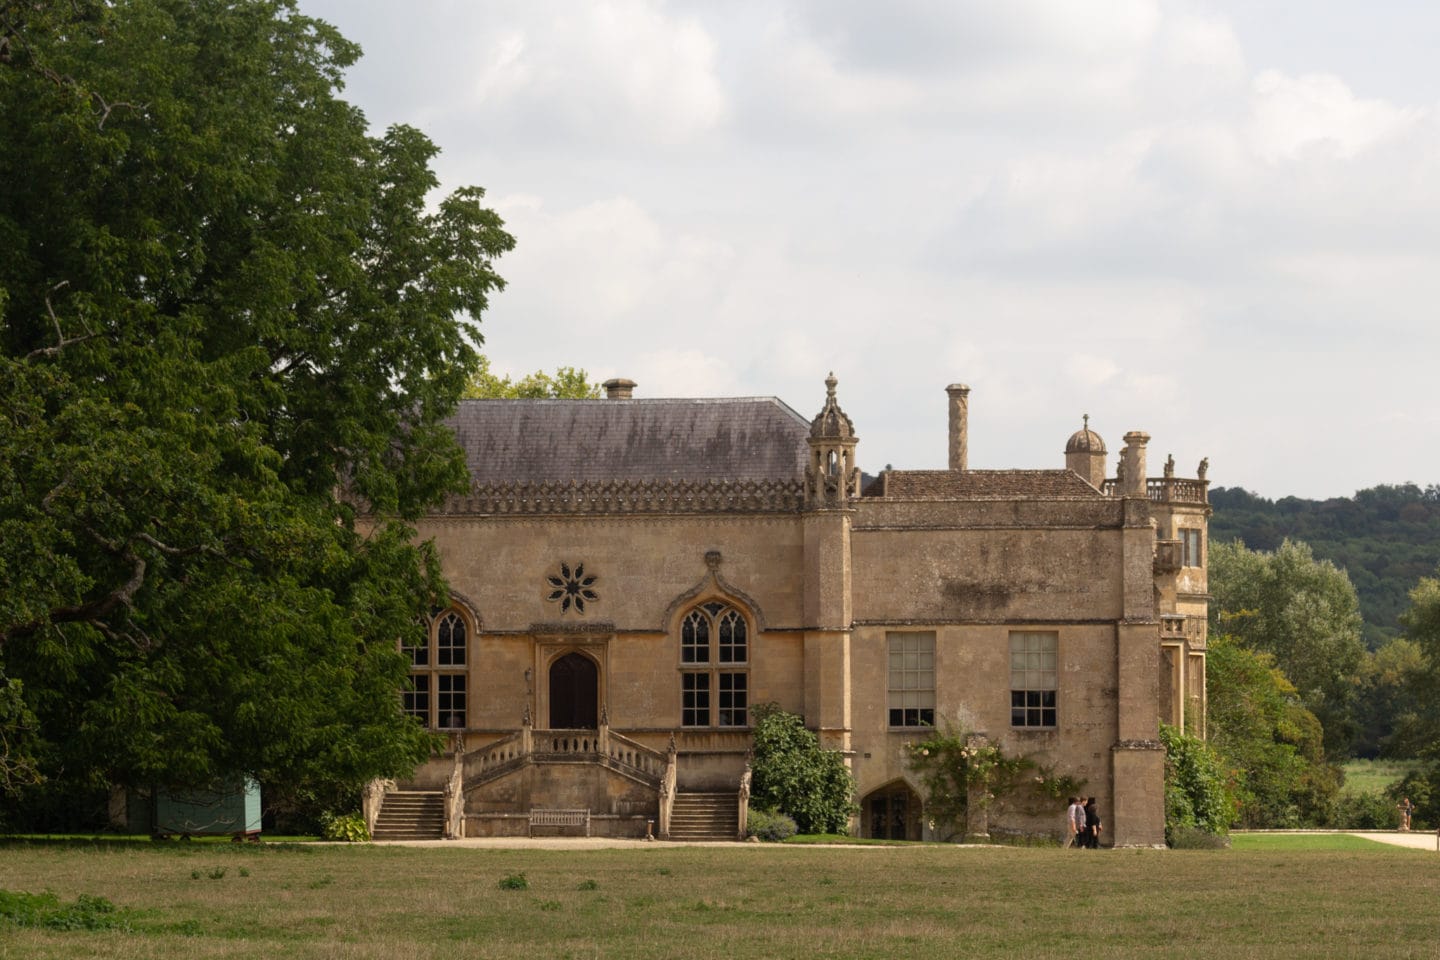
column 831, row 477
column 1085, row 455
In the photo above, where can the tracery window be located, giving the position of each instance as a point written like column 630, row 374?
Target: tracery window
column 436, row 695
column 714, row 674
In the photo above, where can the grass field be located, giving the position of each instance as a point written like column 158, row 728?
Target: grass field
column 1277, row 897
column 1373, row 776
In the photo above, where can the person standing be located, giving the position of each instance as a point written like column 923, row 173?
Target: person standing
column 1072, row 827
column 1093, row 826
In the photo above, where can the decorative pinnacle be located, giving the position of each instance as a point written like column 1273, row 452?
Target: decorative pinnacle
column 1086, row 419
column 830, row 383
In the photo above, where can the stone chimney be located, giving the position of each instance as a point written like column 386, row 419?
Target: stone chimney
column 619, row 389
column 1132, row 484
column 959, row 426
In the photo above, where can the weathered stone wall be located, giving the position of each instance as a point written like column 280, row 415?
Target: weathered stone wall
column 1004, row 574
column 642, row 564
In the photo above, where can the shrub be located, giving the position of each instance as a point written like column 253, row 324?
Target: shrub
column 769, row 826
column 514, row 881
column 1197, row 794
column 1364, row 811
column 794, row 774
column 349, row 827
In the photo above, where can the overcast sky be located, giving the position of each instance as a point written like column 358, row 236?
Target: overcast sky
column 1218, row 222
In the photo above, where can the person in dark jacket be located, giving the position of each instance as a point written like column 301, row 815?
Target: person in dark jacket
column 1093, row 827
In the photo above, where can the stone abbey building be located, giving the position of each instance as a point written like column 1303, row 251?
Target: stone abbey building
column 632, row 577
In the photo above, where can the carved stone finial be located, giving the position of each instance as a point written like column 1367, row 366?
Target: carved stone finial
column 525, row 717
column 712, row 560
column 605, row 716
column 1203, row 469
column 1085, row 419
column 1170, row 466
column 671, row 751
column 830, row 383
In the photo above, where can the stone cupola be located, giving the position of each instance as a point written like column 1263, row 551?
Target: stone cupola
column 1085, row 455
column 831, row 477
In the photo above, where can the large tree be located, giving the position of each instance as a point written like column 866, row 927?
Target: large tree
column 231, row 322
column 1271, row 745
column 1304, row 613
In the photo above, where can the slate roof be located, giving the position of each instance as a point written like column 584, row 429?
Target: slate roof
column 745, row 438
column 981, row 485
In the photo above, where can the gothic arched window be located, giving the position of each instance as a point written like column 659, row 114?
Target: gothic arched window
column 714, row 667
column 436, row 692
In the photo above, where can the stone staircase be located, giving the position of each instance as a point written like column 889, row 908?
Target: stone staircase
column 705, row 816
column 411, row 815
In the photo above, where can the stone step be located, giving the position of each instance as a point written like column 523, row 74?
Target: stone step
column 411, row 815
column 708, row 816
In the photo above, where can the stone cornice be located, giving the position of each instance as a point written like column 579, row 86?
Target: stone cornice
column 627, row 497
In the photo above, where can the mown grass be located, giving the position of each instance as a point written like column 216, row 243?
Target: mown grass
column 1296, row 842
column 1261, row 899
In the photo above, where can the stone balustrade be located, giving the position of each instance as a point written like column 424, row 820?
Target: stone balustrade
column 1167, row 490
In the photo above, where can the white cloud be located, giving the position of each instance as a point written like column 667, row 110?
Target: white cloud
column 597, row 71
column 1317, row 113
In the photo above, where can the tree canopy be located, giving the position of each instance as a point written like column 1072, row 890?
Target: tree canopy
column 231, row 323
column 1385, row 538
column 1304, row 613
column 568, row 383
column 1272, row 746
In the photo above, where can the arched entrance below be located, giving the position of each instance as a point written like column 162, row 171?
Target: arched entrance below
column 891, row 813
column 574, row 693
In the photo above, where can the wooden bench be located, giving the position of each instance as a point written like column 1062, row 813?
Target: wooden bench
column 540, row 817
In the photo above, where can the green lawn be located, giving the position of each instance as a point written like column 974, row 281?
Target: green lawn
column 1265, row 898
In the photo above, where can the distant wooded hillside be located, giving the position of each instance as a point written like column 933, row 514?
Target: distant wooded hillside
column 1386, row 538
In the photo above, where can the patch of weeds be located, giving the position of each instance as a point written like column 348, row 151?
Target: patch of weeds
column 588, row 885
column 45, row 910
column 515, row 881
column 217, row 874
column 244, row 872
column 664, row 871
column 550, row 905
column 826, row 881
column 194, row 874
column 324, row 881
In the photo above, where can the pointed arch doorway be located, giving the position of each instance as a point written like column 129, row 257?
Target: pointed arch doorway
column 574, row 693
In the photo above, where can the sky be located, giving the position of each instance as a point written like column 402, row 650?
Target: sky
column 1216, row 222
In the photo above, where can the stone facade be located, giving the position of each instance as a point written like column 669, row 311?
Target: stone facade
column 631, row 577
